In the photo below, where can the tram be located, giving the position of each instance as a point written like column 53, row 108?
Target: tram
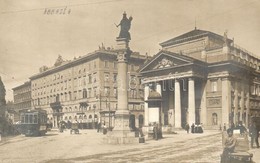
column 33, row 122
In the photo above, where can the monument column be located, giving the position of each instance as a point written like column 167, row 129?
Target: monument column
column 177, row 104
column 121, row 133
column 122, row 114
column 191, row 102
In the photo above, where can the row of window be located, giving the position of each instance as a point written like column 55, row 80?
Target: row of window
column 80, row 82
column 85, row 93
column 58, row 76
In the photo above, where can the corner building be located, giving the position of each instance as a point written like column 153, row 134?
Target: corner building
column 201, row 77
column 86, row 89
column 22, row 98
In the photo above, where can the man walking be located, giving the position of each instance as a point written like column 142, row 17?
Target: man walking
column 187, row 127
column 254, row 134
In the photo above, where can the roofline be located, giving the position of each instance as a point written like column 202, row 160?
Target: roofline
column 206, row 33
column 169, row 52
column 79, row 60
column 22, row 85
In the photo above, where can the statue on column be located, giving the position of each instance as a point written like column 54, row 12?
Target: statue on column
column 125, row 25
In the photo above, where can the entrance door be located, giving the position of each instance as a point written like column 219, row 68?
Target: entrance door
column 141, row 120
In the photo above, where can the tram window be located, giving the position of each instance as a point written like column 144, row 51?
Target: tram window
column 26, row 118
column 31, row 118
column 35, row 118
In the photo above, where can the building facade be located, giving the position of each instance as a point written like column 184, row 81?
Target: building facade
column 85, row 89
column 201, row 77
column 22, row 99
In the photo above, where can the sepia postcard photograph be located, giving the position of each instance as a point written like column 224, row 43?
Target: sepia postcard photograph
column 129, row 81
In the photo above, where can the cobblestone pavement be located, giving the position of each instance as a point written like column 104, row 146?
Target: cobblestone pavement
column 86, row 147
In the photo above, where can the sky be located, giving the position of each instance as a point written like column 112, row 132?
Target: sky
column 30, row 38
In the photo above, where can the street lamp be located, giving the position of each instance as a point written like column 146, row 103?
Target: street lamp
column 108, row 98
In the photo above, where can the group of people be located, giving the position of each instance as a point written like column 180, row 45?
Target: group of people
column 194, row 128
column 102, row 127
column 157, row 131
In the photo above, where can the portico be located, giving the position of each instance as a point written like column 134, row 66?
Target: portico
column 174, row 77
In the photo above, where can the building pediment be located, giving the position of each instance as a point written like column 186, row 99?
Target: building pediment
column 166, row 60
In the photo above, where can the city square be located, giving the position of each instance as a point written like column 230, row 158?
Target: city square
column 87, row 89
column 88, row 147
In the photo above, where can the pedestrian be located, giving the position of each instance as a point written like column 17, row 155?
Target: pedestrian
column 98, row 127
column 141, row 131
column 224, row 127
column 254, row 134
column 104, row 129
column 242, row 128
column 229, row 146
column 200, row 130
column 232, row 126
column 187, row 127
column 192, row 128
column 155, row 131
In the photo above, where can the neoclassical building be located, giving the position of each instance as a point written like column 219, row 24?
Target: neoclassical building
column 86, row 89
column 201, row 77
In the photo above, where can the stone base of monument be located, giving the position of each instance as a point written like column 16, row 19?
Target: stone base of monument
column 121, row 138
column 121, row 133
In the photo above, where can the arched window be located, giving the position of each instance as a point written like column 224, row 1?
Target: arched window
column 214, row 119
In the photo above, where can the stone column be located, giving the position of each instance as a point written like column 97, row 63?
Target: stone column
column 146, row 110
column 226, row 100
column 242, row 104
column 121, row 133
column 122, row 114
column 203, row 104
column 159, row 88
column 247, row 105
column 191, row 101
column 171, row 108
column 161, row 114
column 177, row 104
column 236, row 104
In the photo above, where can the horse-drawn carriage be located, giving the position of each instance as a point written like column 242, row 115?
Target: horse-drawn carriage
column 74, row 128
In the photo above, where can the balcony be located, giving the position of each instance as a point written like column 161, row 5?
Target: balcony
column 55, row 105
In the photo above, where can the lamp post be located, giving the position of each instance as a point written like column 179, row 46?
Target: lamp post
column 94, row 126
column 108, row 107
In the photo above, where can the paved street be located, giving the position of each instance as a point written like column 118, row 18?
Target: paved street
column 88, row 147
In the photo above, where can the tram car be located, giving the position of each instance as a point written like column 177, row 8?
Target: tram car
column 33, row 122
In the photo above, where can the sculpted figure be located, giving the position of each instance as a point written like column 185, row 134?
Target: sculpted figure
column 125, row 25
